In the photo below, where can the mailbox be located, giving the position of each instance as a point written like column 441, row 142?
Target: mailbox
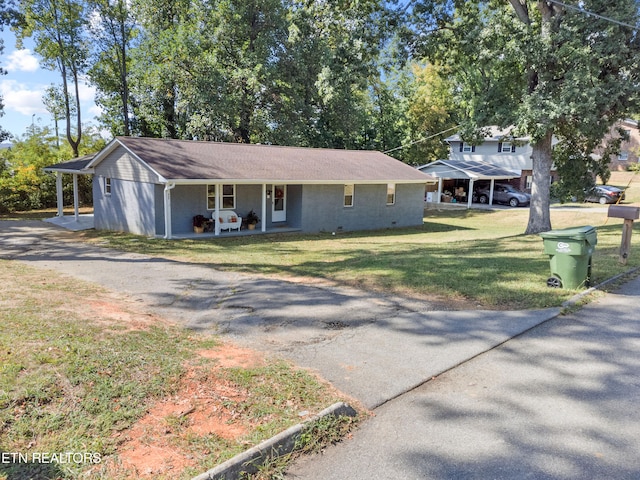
column 628, row 213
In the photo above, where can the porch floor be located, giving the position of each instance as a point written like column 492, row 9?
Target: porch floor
column 233, row 233
column 85, row 222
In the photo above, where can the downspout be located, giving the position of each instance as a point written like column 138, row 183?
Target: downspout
column 167, row 209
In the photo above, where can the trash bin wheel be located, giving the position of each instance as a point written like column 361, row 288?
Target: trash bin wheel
column 554, row 282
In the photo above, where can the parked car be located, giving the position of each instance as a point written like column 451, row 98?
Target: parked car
column 604, row 194
column 504, row 193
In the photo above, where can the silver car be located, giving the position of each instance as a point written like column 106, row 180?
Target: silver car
column 504, row 193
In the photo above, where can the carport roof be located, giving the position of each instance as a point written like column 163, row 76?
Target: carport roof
column 77, row 165
column 467, row 169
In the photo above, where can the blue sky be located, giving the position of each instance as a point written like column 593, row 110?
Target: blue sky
column 23, row 86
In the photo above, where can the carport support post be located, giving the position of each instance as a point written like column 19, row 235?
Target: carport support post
column 493, row 182
column 470, row 193
column 75, row 196
column 439, row 190
column 59, row 196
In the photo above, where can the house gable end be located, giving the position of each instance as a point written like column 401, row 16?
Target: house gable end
column 120, row 163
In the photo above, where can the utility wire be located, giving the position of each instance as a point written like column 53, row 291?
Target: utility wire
column 592, row 14
column 422, row 139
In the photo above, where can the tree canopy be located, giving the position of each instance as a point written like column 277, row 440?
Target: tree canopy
column 539, row 67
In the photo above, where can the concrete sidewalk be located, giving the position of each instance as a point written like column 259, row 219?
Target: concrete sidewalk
column 558, row 402
column 372, row 348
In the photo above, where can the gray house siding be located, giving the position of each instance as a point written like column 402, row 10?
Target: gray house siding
column 122, row 165
column 131, row 206
column 323, row 208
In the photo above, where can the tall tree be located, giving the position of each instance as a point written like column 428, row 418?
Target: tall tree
column 58, row 28
column 543, row 68
column 158, row 64
column 53, row 100
column 114, row 31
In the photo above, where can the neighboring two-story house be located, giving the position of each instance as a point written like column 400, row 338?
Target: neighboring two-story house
column 629, row 149
column 500, row 149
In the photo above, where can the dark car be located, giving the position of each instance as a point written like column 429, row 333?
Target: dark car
column 604, row 194
column 504, row 193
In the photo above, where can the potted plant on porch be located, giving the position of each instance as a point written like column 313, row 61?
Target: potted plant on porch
column 252, row 220
column 198, row 223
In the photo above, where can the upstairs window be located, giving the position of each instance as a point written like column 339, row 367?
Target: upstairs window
column 506, row 147
column 348, row 195
column 467, row 148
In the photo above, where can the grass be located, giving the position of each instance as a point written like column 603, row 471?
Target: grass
column 75, row 380
column 478, row 258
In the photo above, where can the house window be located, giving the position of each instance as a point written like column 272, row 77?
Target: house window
column 391, row 193
column 506, row 147
column 107, row 185
column 348, row 195
column 467, row 148
column 528, row 182
column 623, row 156
column 228, row 200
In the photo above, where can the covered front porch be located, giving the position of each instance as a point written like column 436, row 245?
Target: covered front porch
column 277, row 207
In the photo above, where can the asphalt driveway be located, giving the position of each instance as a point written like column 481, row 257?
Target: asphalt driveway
column 372, row 348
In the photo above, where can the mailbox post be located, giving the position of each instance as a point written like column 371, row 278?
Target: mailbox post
column 629, row 214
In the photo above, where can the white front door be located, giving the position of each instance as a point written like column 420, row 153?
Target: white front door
column 279, row 204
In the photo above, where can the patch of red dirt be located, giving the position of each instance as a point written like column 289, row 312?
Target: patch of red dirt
column 229, row 355
column 203, row 405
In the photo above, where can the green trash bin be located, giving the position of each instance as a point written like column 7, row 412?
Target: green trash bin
column 570, row 252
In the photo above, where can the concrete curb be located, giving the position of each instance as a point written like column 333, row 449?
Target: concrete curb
column 576, row 298
column 281, row 444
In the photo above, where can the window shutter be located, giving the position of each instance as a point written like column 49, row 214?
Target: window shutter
column 499, row 147
column 513, row 149
column 461, row 146
column 473, row 148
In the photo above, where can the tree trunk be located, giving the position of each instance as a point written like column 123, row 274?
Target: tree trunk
column 539, row 216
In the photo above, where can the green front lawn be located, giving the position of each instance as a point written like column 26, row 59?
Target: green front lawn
column 475, row 258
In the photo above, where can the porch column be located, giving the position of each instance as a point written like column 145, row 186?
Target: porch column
column 439, row 190
column 216, row 230
column 75, row 196
column 167, row 210
column 470, row 193
column 264, row 208
column 59, row 197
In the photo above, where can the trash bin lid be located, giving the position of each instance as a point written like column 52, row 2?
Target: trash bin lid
column 586, row 232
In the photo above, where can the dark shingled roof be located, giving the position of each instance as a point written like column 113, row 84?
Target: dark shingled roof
column 197, row 160
column 75, row 165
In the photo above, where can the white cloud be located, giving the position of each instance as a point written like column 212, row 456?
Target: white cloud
column 22, row 61
column 22, row 99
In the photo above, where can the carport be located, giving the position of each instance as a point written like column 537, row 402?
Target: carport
column 470, row 170
column 74, row 167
